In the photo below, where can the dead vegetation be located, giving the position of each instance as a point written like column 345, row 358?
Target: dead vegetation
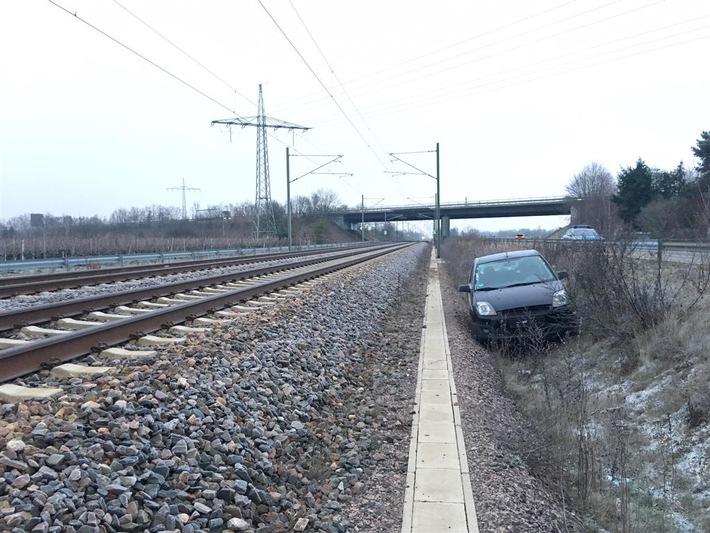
column 624, row 408
column 167, row 237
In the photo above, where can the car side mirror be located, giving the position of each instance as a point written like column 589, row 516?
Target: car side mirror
column 562, row 274
column 464, row 288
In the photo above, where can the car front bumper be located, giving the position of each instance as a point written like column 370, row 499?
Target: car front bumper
column 526, row 324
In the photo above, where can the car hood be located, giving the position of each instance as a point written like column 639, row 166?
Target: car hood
column 522, row 296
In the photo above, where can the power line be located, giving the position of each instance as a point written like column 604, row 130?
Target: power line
column 410, row 79
column 181, row 50
column 322, row 84
column 332, row 71
column 144, row 58
column 153, row 63
column 437, row 63
column 500, row 52
column 437, row 93
column 495, row 30
column 462, row 54
column 499, row 28
column 436, row 98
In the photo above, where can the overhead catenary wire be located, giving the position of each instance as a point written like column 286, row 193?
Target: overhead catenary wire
column 494, row 81
column 332, row 71
column 440, row 96
column 218, row 78
column 406, row 78
column 181, row 50
column 476, row 37
column 517, row 47
column 340, row 108
column 144, row 58
column 434, row 99
column 438, row 93
column 489, row 45
column 156, row 65
column 437, row 63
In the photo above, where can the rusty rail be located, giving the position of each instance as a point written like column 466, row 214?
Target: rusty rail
column 23, row 360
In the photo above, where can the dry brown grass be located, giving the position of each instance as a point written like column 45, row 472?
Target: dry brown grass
column 166, row 238
column 622, row 406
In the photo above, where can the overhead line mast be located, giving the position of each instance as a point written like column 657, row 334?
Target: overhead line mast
column 264, row 221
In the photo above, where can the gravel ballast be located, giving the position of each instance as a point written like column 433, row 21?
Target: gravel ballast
column 24, row 301
column 293, row 418
column 296, row 417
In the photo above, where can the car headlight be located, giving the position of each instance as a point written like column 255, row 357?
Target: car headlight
column 485, row 309
column 559, row 298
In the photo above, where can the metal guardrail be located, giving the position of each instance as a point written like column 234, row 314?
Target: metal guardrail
column 651, row 245
column 165, row 257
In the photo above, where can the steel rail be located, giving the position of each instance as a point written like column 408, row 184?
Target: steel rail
column 14, row 286
column 34, row 315
column 22, row 360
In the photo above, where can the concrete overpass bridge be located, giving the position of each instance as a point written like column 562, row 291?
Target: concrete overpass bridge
column 523, row 207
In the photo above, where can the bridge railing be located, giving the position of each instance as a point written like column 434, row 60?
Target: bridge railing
column 466, row 203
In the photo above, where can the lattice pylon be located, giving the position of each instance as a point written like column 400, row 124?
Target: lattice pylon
column 264, row 220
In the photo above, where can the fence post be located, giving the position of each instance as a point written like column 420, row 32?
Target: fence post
column 659, row 254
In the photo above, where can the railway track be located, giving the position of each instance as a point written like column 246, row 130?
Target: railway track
column 30, row 284
column 134, row 314
column 68, row 308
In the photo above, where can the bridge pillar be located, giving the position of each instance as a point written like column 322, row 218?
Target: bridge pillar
column 339, row 221
column 445, row 227
column 574, row 214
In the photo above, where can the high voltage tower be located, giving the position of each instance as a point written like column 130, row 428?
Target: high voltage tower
column 184, row 202
column 264, row 221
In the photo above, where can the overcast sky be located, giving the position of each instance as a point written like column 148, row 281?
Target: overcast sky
column 519, row 94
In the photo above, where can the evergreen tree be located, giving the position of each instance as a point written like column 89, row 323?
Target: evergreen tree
column 669, row 184
column 702, row 151
column 635, row 190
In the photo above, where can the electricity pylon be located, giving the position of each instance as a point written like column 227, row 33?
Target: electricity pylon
column 264, row 222
column 184, row 203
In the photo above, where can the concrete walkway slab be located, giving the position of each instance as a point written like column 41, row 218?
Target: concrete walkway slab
column 437, row 431
column 438, row 497
column 437, row 517
column 437, row 455
column 438, row 485
column 436, row 412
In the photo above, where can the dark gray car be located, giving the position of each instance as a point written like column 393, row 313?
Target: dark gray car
column 518, row 295
column 582, row 233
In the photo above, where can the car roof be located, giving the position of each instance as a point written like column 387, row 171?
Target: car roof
column 507, row 255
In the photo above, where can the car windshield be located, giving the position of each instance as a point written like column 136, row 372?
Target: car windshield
column 512, row 272
column 583, row 233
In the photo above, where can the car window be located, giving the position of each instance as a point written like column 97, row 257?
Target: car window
column 512, row 271
column 582, row 233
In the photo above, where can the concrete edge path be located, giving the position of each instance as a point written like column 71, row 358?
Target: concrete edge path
column 438, row 497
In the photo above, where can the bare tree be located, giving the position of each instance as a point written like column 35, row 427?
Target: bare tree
column 324, row 201
column 594, row 185
column 301, row 206
column 593, row 181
